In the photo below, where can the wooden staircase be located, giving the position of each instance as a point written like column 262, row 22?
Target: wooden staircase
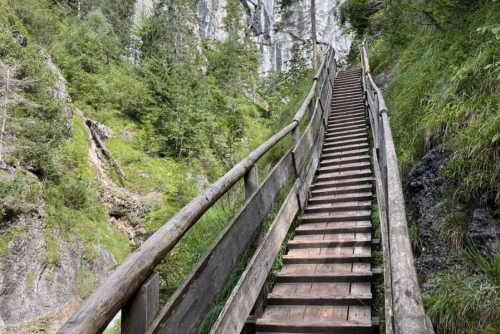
column 325, row 283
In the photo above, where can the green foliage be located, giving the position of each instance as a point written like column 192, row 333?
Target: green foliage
column 464, row 304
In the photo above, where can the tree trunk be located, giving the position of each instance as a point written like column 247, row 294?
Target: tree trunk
column 313, row 34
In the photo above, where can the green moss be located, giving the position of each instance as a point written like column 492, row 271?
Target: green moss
column 85, row 282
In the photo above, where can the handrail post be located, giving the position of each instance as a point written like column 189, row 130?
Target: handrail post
column 251, row 180
column 296, row 135
column 139, row 312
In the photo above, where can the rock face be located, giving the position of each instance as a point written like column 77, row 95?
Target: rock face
column 423, row 193
column 34, row 290
column 426, row 188
column 276, row 32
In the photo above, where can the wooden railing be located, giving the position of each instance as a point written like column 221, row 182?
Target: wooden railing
column 403, row 301
column 134, row 286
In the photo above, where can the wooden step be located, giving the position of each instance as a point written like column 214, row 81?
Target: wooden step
column 331, row 228
column 316, row 251
column 342, row 258
column 340, row 105
column 320, row 199
column 315, row 319
column 346, row 153
column 339, row 206
column 348, row 159
column 342, row 190
column 344, row 167
column 332, row 136
column 347, row 126
column 348, row 94
column 328, row 150
column 320, row 299
column 346, row 132
column 358, row 242
column 346, row 142
column 324, row 277
column 344, row 216
column 357, row 118
column 359, row 181
column 344, row 175
column 347, row 121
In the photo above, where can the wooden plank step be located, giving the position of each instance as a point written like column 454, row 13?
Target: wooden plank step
column 344, row 105
column 324, row 268
column 347, row 94
column 332, row 237
column 344, row 167
column 344, row 216
column 320, row 299
column 343, row 142
column 351, row 89
column 347, row 121
column 343, row 190
column 357, row 181
column 342, row 258
column 336, row 111
column 347, row 132
column 341, row 120
column 324, row 277
column 345, row 114
column 320, row 199
column 346, row 126
column 333, row 136
column 347, row 153
column 324, row 322
column 316, row 251
column 348, row 159
column 331, row 228
column 339, row 206
column 345, row 148
column 359, row 242
column 344, row 175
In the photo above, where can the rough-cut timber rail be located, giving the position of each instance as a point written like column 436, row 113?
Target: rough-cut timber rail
column 325, row 283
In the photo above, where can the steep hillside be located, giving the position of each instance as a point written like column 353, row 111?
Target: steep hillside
column 438, row 62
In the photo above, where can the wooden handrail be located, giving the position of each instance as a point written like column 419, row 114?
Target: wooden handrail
column 111, row 296
column 404, row 308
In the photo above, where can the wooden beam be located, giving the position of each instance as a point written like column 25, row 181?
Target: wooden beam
column 140, row 311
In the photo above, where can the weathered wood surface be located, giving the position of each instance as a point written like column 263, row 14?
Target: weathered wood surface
column 140, row 311
column 200, row 289
column 239, row 304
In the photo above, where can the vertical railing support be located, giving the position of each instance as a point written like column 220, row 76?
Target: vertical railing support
column 251, row 184
column 140, row 311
